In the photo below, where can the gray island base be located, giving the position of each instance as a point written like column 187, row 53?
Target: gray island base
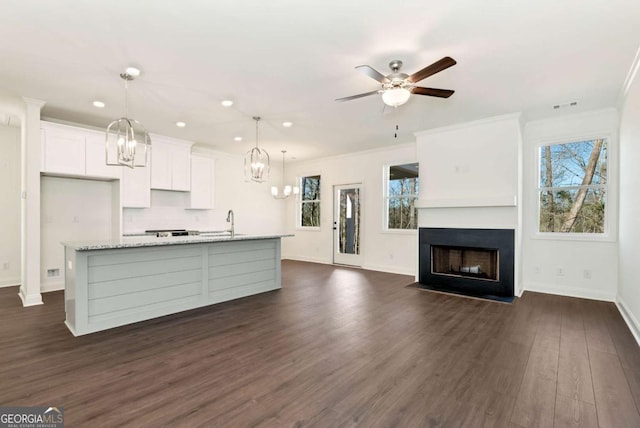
column 114, row 283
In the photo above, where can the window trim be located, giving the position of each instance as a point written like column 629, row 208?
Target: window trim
column 299, row 203
column 386, row 197
column 609, row 231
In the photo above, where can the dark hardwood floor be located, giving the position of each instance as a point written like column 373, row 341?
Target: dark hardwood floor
column 336, row 347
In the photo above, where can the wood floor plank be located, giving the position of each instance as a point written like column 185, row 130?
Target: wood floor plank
column 596, row 330
column 535, row 403
column 571, row 413
column 614, row 402
column 335, row 347
column 574, row 371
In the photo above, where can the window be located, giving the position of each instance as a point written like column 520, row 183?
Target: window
column 309, row 208
column 401, row 195
column 572, row 187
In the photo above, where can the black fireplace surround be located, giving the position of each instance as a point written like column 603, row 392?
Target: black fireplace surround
column 501, row 240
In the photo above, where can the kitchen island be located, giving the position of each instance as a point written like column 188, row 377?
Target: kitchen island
column 116, row 282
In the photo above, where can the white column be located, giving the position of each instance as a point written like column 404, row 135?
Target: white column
column 31, row 159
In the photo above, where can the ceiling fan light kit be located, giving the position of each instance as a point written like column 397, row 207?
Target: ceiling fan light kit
column 126, row 138
column 395, row 97
column 396, row 87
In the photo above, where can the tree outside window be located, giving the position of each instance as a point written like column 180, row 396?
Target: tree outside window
column 401, row 196
column 309, row 208
column 573, row 187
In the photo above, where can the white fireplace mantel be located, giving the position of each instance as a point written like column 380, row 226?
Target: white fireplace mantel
column 493, row 201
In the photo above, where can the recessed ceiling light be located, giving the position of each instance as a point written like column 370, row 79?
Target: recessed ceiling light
column 98, row 104
column 132, row 71
column 181, row 124
column 287, row 124
column 226, row 103
column 237, row 138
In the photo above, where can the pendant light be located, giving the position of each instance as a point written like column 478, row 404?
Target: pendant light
column 286, row 189
column 256, row 161
column 127, row 142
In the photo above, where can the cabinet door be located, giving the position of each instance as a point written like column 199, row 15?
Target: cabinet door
column 160, row 166
column 136, row 187
column 63, row 151
column 181, row 169
column 96, row 165
column 202, row 178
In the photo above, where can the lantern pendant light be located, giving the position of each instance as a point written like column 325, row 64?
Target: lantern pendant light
column 256, row 161
column 127, row 142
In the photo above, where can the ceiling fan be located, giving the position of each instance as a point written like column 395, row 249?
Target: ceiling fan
column 397, row 87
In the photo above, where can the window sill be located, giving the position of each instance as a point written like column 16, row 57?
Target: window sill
column 559, row 236
column 308, row 229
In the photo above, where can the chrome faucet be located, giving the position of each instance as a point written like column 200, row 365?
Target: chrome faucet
column 230, row 219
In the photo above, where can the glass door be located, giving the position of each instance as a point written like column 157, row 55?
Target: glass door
column 347, row 225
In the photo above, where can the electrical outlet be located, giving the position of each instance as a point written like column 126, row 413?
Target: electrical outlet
column 536, row 270
column 5, row 265
column 390, row 256
column 76, row 219
column 560, row 271
column 587, row 274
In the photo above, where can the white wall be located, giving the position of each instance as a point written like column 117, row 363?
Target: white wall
column 71, row 210
column 629, row 226
column 254, row 209
column 386, row 251
column 10, row 212
column 472, row 177
column 542, row 257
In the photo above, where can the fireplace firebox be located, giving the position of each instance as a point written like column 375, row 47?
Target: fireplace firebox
column 476, row 262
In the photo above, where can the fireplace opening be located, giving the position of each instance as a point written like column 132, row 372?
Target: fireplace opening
column 468, row 262
column 474, row 262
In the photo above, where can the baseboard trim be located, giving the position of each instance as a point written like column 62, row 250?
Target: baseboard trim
column 629, row 318
column 308, row 259
column 53, row 286
column 561, row 290
column 11, row 282
column 391, row 269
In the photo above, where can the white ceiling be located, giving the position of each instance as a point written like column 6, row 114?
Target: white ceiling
column 289, row 60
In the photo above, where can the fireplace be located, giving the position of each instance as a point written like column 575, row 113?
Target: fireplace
column 476, row 262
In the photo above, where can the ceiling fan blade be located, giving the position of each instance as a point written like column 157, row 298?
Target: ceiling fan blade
column 432, row 69
column 353, row 97
column 374, row 74
column 433, row 92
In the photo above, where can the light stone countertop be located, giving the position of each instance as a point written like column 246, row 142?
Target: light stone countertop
column 153, row 241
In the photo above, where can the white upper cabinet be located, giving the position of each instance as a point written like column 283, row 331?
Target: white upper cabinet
column 72, row 151
column 202, row 178
column 170, row 164
column 96, row 164
column 63, row 149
